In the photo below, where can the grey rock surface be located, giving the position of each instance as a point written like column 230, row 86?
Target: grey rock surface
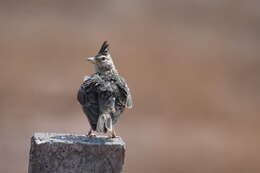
column 63, row 153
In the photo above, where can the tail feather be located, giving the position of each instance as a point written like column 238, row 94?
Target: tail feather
column 104, row 123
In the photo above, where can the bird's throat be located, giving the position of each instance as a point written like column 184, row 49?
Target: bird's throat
column 104, row 71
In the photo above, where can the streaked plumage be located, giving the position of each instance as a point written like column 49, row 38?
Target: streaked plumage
column 104, row 95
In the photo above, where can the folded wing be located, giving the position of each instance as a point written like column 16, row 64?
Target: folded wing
column 125, row 95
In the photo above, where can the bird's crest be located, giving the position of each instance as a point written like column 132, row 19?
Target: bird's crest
column 104, row 48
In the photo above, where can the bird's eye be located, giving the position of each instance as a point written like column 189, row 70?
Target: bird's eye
column 103, row 58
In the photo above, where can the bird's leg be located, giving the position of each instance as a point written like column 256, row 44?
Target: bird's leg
column 114, row 134
column 90, row 133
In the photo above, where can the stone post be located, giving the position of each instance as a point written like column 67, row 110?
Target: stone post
column 64, row 153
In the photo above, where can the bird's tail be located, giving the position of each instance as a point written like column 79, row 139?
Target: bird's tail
column 104, row 123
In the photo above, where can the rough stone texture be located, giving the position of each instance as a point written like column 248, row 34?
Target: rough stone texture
column 59, row 153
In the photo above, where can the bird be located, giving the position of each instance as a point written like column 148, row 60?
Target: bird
column 104, row 95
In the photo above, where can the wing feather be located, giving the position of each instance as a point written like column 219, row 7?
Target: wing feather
column 125, row 93
column 88, row 98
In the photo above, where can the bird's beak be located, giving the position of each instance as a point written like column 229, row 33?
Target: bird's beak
column 91, row 59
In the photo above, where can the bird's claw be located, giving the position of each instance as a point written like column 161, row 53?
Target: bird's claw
column 114, row 136
column 91, row 134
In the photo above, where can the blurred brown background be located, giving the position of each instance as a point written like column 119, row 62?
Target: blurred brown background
column 192, row 66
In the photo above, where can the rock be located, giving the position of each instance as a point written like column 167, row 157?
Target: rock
column 63, row 153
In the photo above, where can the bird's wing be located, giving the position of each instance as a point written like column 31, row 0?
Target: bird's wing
column 81, row 96
column 88, row 86
column 88, row 98
column 125, row 93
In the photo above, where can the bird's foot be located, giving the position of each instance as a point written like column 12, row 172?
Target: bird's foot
column 113, row 135
column 91, row 134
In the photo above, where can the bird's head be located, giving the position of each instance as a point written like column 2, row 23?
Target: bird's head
column 103, row 61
